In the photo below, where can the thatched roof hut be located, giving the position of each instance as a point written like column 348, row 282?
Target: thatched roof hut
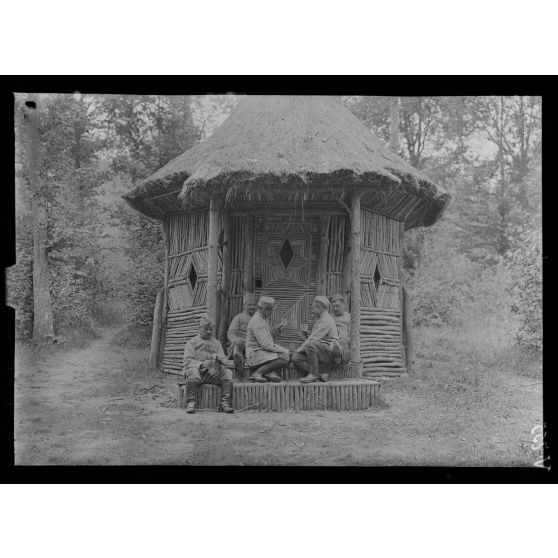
column 307, row 144
column 291, row 197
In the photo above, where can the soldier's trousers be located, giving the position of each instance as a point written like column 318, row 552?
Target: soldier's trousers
column 313, row 353
column 215, row 375
column 345, row 351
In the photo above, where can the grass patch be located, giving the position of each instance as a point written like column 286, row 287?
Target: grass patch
column 132, row 337
column 466, row 364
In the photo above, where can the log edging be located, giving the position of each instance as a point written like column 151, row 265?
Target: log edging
column 349, row 395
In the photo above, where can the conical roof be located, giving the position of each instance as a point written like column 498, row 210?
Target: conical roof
column 303, row 143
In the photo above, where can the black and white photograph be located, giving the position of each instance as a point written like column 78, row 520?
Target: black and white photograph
column 238, row 279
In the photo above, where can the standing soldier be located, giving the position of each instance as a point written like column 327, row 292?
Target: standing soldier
column 263, row 355
column 205, row 362
column 342, row 319
column 237, row 331
column 319, row 345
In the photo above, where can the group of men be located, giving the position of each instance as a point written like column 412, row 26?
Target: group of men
column 252, row 342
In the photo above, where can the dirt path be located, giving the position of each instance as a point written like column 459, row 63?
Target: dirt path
column 87, row 407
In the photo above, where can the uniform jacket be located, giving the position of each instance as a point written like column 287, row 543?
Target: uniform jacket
column 197, row 350
column 324, row 330
column 238, row 327
column 343, row 324
column 260, row 346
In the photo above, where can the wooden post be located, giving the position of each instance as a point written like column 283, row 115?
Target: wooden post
column 321, row 272
column 213, row 258
column 355, row 282
column 346, row 273
column 401, row 283
column 225, row 278
column 407, row 327
column 248, row 267
column 156, row 333
column 165, row 308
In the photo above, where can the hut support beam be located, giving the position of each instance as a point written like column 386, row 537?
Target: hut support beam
column 407, row 334
column 248, row 268
column 165, row 309
column 346, row 273
column 225, row 278
column 156, row 332
column 213, row 257
column 355, row 282
column 322, row 256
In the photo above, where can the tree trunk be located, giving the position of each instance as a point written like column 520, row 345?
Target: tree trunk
column 394, row 124
column 43, row 328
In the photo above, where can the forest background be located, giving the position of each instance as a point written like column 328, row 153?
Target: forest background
column 475, row 277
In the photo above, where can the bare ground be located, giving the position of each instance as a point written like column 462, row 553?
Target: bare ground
column 93, row 406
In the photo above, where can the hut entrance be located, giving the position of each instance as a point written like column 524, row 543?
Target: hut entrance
column 285, row 268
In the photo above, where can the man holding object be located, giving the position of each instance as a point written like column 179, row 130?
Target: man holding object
column 319, row 345
column 204, row 362
column 263, row 355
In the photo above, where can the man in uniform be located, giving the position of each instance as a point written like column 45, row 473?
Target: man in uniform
column 204, row 362
column 263, row 355
column 342, row 319
column 319, row 345
column 237, row 331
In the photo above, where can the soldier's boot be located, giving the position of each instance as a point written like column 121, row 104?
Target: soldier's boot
column 226, row 394
column 191, row 390
column 238, row 362
column 313, row 371
column 268, row 370
column 257, row 377
column 337, row 353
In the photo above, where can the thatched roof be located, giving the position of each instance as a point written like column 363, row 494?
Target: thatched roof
column 303, row 143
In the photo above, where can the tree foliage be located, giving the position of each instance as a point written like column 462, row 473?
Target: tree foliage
column 526, row 267
column 485, row 151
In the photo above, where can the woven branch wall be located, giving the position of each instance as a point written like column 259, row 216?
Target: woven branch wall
column 238, row 248
column 380, row 315
column 285, row 268
column 187, row 282
column 335, row 254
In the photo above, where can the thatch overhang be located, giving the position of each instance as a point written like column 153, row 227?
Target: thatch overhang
column 299, row 148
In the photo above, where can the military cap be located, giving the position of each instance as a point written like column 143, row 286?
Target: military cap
column 266, row 302
column 323, row 300
column 205, row 319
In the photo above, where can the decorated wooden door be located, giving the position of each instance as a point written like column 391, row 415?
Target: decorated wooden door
column 286, row 270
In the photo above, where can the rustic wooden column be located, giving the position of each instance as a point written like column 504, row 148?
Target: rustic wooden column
column 225, row 278
column 213, row 258
column 407, row 330
column 248, row 265
column 346, row 272
column 165, row 309
column 321, row 272
column 156, row 332
column 355, row 282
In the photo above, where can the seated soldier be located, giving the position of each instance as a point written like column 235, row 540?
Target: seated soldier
column 204, row 362
column 319, row 345
column 342, row 319
column 263, row 355
column 237, row 331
